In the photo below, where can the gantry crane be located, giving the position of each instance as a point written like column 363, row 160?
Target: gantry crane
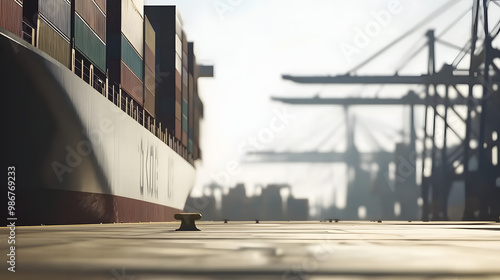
column 482, row 122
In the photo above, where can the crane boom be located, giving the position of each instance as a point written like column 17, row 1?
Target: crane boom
column 434, row 79
column 316, row 157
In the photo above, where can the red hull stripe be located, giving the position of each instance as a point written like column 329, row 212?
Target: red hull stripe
column 44, row 206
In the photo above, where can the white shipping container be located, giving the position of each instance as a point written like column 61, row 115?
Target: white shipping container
column 140, row 5
column 178, row 45
column 178, row 23
column 133, row 22
column 178, row 63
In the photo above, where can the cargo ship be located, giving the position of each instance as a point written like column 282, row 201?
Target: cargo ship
column 101, row 111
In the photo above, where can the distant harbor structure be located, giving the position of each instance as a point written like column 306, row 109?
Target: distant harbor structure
column 235, row 205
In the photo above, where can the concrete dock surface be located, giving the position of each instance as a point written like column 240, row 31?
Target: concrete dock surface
column 247, row 250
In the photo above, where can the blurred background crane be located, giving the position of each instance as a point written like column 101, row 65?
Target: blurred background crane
column 380, row 179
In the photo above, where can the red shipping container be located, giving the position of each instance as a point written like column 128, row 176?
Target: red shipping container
column 178, row 133
column 149, row 102
column 178, row 80
column 131, row 84
column 178, row 111
column 178, row 95
column 149, row 58
column 184, row 138
column 149, row 79
column 11, row 16
column 102, row 5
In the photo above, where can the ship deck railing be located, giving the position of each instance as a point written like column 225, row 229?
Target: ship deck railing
column 28, row 33
column 127, row 104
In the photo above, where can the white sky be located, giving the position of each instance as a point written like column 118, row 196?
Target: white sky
column 252, row 42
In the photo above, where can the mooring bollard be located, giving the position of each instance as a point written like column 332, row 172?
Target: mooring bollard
column 187, row 221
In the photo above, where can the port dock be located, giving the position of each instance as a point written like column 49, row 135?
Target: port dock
column 267, row 250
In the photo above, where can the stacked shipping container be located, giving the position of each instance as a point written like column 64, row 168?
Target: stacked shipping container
column 178, row 76
column 195, row 105
column 178, row 106
column 11, row 16
column 125, row 46
column 192, row 88
column 168, row 57
column 136, row 46
column 185, row 93
column 149, row 67
column 54, row 29
column 90, row 31
column 197, row 115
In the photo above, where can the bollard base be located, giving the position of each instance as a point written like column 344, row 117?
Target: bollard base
column 187, row 221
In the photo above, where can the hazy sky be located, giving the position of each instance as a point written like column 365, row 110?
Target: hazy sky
column 252, row 43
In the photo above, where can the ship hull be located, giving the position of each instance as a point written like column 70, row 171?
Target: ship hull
column 79, row 158
column 55, row 207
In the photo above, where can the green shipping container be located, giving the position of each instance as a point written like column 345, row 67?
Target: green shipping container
column 89, row 44
column 120, row 48
column 190, row 146
column 184, row 123
column 131, row 58
column 93, row 16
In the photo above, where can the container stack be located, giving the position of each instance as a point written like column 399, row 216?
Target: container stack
column 54, row 29
column 178, row 106
column 149, row 67
column 192, row 88
column 11, row 16
column 197, row 116
column 90, row 32
column 125, row 46
column 178, row 76
column 167, row 24
column 185, row 93
column 142, row 49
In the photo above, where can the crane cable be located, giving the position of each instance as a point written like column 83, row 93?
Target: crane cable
column 439, row 35
column 436, row 13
